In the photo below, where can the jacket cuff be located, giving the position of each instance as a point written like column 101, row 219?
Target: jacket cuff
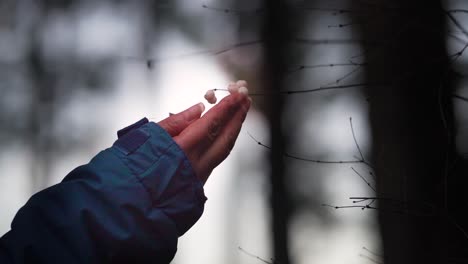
column 161, row 166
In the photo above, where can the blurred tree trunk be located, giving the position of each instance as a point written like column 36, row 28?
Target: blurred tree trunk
column 412, row 125
column 42, row 111
column 41, row 115
column 275, row 37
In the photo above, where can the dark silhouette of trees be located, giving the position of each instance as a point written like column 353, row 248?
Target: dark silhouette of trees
column 409, row 84
column 276, row 33
column 413, row 131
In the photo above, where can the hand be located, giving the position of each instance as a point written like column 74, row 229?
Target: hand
column 208, row 140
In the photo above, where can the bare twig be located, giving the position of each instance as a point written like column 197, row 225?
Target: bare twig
column 359, row 199
column 307, row 159
column 313, row 90
column 325, row 88
column 332, row 41
column 355, row 140
column 460, row 97
column 457, row 11
column 352, row 72
column 151, row 61
column 334, row 11
column 238, row 45
column 372, row 252
column 463, row 231
column 327, row 65
column 458, row 54
column 254, row 256
column 361, row 160
column 359, row 55
column 456, row 37
column 233, row 11
column 342, row 25
column 370, row 259
column 351, row 206
column 364, row 179
column 455, row 22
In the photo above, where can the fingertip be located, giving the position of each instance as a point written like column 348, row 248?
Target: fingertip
column 201, row 106
column 194, row 112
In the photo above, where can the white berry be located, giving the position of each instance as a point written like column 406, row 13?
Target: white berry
column 211, row 97
column 243, row 90
column 233, row 88
column 241, row 83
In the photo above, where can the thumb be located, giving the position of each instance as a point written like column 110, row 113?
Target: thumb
column 174, row 124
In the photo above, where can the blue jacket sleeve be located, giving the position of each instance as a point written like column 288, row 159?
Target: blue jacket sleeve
column 128, row 205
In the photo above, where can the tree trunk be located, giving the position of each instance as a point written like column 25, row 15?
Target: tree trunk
column 412, row 127
column 275, row 37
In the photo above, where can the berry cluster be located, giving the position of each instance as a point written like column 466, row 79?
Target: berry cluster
column 234, row 87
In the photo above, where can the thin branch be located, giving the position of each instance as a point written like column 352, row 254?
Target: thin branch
column 342, row 25
column 370, row 259
column 362, row 160
column 455, row 37
column 360, row 54
column 350, row 206
column 371, row 202
column 151, row 61
column 363, row 207
column 372, row 175
column 336, row 87
column 355, row 140
column 339, row 11
column 454, row 31
column 233, row 11
column 254, row 256
column 238, row 45
column 334, row 11
column 331, row 41
column 465, row 234
column 455, row 21
column 399, row 207
column 372, row 252
column 460, row 97
column 416, row 208
column 359, row 199
column 364, row 179
column 458, row 54
column 307, row 159
column 371, row 11
column 348, row 74
column 345, row 76
column 327, row 65
column 457, row 11
column 461, row 229
column 313, row 90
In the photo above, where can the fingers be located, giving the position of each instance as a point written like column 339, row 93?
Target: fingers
column 175, row 124
column 224, row 143
column 208, row 140
column 201, row 134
